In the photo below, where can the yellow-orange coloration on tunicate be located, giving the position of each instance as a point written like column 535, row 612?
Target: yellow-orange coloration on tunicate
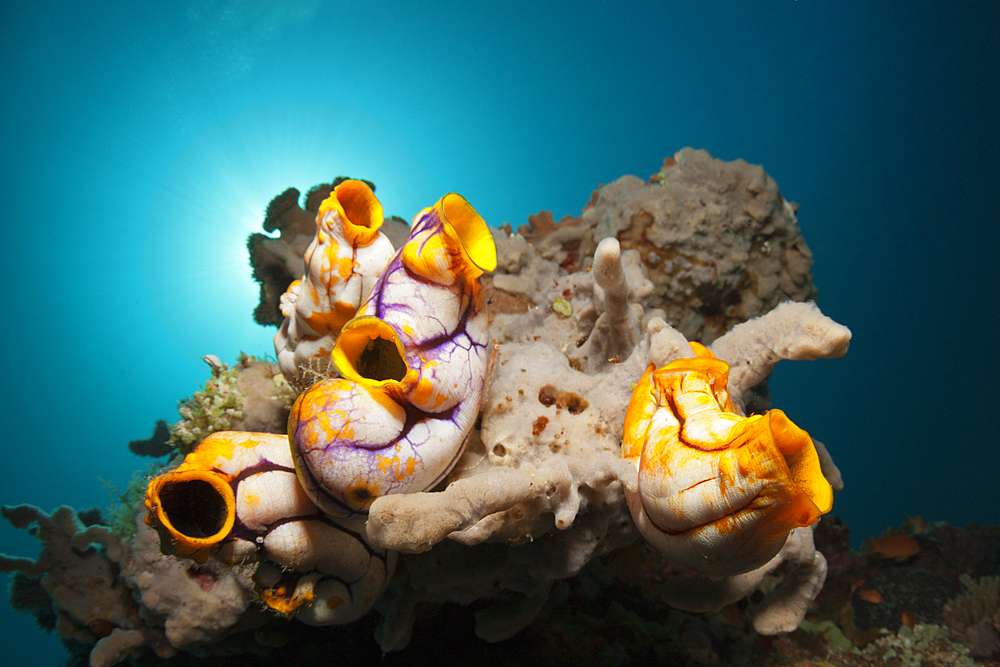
column 169, row 499
column 284, row 601
column 194, row 506
column 342, row 264
column 463, row 247
column 412, row 366
column 303, row 558
column 717, row 491
column 356, row 204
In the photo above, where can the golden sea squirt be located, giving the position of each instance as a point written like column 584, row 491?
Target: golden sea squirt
column 342, row 264
column 236, row 498
column 412, row 368
column 718, row 492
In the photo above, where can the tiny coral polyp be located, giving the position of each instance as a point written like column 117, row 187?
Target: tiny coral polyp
column 717, row 491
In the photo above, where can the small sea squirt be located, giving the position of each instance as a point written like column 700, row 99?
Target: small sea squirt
column 717, row 492
column 342, row 264
column 412, row 367
column 236, row 498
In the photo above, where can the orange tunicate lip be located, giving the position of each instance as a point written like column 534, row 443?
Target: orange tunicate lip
column 358, row 208
column 195, row 508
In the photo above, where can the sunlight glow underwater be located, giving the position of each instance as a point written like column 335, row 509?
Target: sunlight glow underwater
column 214, row 193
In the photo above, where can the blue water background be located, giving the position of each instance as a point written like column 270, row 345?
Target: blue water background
column 142, row 141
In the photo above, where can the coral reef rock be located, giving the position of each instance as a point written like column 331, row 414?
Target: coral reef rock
column 719, row 242
column 706, row 250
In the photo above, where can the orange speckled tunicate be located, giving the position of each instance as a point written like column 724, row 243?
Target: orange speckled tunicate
column 717, row 491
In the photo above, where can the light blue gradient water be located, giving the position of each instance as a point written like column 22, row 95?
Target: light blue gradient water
column 140, row 146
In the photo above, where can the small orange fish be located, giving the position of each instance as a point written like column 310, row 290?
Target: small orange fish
column 870, row 595
column 907, row 619
column 899, row 547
